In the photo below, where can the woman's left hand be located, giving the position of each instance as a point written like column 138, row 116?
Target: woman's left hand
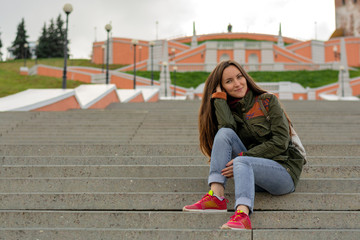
column 228, row 171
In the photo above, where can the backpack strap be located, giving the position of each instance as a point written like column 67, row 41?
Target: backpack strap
column 260, row 101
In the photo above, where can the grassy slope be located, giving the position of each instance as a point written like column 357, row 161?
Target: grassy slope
column 12, row 82
column 311, row 79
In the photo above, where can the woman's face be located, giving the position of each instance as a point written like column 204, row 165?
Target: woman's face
column 233, row 82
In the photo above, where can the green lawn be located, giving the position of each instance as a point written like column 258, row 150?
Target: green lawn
column 12, row 82
column 311, row 79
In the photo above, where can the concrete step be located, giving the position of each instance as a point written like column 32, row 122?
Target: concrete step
column 300, row 234
column 94, row 141
column 149, row 171
column 151, row 160
column 114, row 233
column 172, row 201
column 150, row 150
column 111, row 184
column 14, row 219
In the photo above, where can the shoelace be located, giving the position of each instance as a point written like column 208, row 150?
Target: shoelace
column 204, row 198
column 235, row 217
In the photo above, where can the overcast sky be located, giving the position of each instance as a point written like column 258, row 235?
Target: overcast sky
column 300, row 19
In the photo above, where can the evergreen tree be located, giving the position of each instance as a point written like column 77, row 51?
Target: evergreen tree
column 51, row 41
column 42, row 50
column 52, row 38
column 60, row 36
column 19, row 44
column 0, row 48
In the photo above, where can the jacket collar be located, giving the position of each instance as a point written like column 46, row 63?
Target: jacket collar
column 247, row 101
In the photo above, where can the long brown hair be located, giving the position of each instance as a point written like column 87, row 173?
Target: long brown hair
column 208, row 125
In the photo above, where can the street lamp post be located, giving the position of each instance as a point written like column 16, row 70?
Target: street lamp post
column 172, row 53
column 103, row 57
column 36, row 52
column 336, row 53
column 67, row 9
column 25, row 53
column 342, row 80
column 108, row 29
column 152, row 62
column 165, row 65
column 175, row 68
column 134, row 43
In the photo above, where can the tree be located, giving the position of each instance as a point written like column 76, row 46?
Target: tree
column 19, row 43
column 60, row 36
column 52, row 38
column 51, row 41
column 0, row 48
column 42, row 50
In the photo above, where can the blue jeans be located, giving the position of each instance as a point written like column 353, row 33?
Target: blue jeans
column 250, row 173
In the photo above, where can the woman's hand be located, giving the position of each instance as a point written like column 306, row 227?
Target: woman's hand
column 228, row 171
column 218, row 88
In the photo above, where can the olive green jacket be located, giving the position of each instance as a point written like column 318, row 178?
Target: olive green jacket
column 262, row 138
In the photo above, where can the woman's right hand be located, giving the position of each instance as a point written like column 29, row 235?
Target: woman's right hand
column 228, row 171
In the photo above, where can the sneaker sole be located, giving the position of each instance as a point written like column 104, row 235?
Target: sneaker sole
column 237, row 229
column 201, row 210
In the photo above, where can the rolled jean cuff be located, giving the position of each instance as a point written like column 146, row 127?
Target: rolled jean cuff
column 244, row 201
column 216, row 177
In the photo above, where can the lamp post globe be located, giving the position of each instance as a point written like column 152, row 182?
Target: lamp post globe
column 108, row 28
column 152, row 43
column 67, row 9
column 134, row 42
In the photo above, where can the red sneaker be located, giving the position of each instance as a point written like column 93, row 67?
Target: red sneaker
column 208, row 203
column 239, row 221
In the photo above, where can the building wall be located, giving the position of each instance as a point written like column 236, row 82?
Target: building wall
column 348, row 16
column 63, row 105
column 112, row 97
column 303, row 49
column 210, row 53
column 98, row 53
column 225, row 54
column 352, row 50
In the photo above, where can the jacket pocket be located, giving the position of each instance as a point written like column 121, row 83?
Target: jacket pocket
column 260, row 126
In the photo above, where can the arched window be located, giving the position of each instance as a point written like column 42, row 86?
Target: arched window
column 224, row 57
column 253, row 62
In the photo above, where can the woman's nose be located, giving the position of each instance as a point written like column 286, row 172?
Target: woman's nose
column 237, row 82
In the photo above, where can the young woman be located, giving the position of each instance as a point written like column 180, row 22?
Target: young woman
column 243, row 144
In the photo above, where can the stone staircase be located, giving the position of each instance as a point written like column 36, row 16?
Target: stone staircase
column 127, row 171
